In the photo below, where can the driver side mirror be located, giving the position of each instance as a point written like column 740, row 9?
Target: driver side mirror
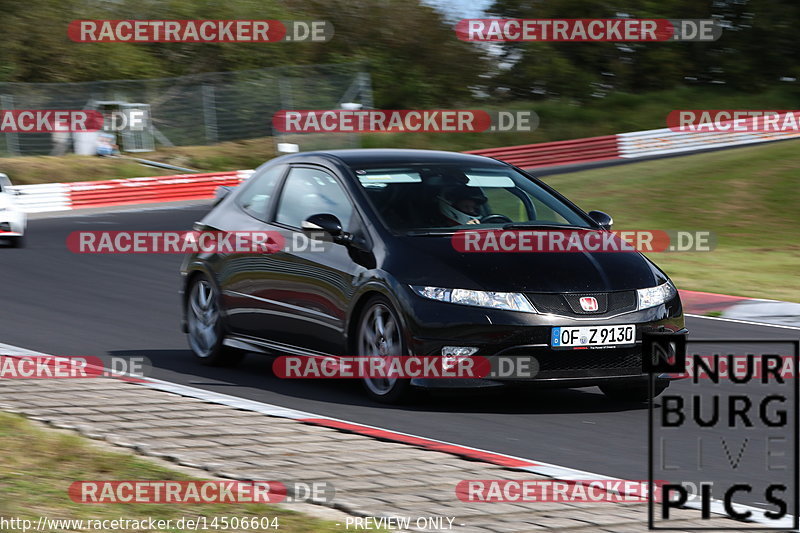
column 329, row 224
column 220, row 193
column 604, row 220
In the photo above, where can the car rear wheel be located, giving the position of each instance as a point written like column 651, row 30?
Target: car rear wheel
column 205, row 327
column 638, row 392
column 380, row 334
column 17, row 242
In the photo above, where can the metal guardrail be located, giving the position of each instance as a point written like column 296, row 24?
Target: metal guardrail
column 666, row 141
column 663, row 141
column 556, row 153
column 67, row 196
column 42, row 198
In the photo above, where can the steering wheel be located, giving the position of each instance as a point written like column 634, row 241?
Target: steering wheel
column 495, row 219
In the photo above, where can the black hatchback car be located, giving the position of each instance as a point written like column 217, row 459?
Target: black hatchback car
column 391, row 282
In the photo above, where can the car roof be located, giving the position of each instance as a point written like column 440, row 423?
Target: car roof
column 397, row 156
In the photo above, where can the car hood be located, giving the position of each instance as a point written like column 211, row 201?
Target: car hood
column 432, row 260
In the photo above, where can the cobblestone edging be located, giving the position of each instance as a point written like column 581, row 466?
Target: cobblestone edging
column 372, row 477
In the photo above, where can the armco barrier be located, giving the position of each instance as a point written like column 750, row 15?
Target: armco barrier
column 662, row 141
column 42, row 197
column 556, row 153
column 666, row 141
column 66, row 196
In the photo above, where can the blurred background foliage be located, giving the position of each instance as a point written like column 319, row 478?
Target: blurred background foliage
column 411, row 50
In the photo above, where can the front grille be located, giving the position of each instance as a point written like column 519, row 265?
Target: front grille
column 608, row 303
column 590, row 360
column 581, row 364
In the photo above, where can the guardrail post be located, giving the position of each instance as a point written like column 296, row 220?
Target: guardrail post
column 210, row 114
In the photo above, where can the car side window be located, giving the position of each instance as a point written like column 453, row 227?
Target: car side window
column 260, row 188
column 310, row 191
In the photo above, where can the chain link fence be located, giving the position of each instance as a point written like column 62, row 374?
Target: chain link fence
column 199, row 109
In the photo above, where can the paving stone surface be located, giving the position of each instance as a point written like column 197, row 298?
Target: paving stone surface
column 371, row 477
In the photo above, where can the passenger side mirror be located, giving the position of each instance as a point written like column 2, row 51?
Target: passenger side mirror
column 329, row 224
column 603, row 219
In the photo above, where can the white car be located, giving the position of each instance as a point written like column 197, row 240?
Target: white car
column 12, row 219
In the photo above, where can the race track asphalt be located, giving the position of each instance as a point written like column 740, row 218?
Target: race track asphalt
column 58, row 302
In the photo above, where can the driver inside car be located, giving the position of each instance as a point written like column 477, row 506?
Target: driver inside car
column 461, row 204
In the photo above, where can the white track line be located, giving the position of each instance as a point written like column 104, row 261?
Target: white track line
column 748, row 322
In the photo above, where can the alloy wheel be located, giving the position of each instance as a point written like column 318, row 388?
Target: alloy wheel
column 379, row 335
column 202, row 319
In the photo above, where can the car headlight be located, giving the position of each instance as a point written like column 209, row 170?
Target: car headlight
column 654, row 296
column 510, row 301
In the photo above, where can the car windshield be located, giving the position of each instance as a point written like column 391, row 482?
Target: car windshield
column 414, row 199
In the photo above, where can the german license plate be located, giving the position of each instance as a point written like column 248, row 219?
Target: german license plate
column 570, row 337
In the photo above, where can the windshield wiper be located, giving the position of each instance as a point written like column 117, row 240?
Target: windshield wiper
column 524, row 225
column 428, row 233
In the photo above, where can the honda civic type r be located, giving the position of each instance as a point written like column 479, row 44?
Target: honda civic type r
column 392, row 281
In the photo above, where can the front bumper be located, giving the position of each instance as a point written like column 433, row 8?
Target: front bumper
column 507, row 335
column 12, row 223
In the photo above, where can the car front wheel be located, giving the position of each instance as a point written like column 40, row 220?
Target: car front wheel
column 380, row 335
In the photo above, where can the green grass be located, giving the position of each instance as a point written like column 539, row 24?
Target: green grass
column 747, row 196
column 38, row 466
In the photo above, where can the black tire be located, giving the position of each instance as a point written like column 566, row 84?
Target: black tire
column 205, row 328
column 634, row 392
column 17, row 242
column 393, row 390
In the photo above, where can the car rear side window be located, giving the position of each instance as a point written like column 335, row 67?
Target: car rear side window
column 311, row 191
column 259, row 190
